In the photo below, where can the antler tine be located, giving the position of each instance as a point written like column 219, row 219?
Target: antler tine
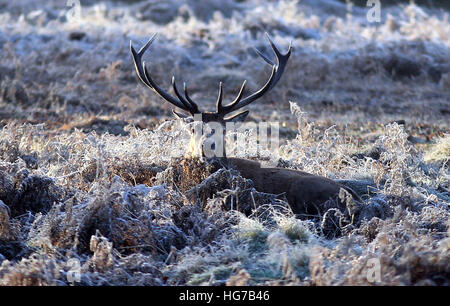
column 281, row 59
column 237, row 104
column 265, row 58
column 236, row 100
column 183, row 100
column 219, row 99
column 145, row 77
column 277, row 72
column 137, row 59
column 186, row 94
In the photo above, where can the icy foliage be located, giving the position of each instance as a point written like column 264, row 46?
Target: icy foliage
column 199, row 225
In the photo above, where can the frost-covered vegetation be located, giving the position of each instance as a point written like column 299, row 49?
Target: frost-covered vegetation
column 93, row 177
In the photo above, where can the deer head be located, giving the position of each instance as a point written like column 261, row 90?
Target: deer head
column 220, row 117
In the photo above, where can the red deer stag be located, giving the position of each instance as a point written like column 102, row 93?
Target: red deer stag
column 305, row 192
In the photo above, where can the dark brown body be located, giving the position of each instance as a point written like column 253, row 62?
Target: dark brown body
column 306, row 193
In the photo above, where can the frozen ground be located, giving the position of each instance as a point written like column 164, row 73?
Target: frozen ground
column 88, row 184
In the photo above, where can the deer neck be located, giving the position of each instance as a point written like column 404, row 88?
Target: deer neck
column 207, row 146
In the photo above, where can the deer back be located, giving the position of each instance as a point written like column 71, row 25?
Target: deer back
column 304, row 191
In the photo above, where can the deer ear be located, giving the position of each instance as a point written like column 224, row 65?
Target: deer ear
column 178, row 115
column 239, row 117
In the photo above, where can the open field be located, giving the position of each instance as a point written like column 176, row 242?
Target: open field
column 94, row 188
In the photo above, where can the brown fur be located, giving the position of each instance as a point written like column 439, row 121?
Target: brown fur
column 306, row 193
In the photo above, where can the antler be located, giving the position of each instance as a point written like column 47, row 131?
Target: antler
column 185, row 103
column 190, row 106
